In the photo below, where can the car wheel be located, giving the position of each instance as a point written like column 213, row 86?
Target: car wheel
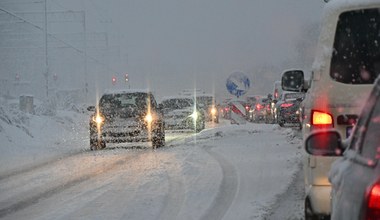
column 158, row 141
column 97, row 144
column 309, row 214
column 200, row 126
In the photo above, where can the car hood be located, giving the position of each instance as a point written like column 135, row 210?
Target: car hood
column 122, row 113
column 179, row 112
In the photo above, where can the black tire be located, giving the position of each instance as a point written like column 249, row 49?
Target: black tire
column 158, row 141
column 200, row 127
column 309, row 213
column 97, row 144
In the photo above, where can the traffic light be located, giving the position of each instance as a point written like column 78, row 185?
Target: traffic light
column 113, row 80
column 126, row 77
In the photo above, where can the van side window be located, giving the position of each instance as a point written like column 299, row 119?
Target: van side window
column 356, row 54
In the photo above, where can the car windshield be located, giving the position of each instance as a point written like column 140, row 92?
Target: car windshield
column 136, row 101
column 171, row 104
column 204, row 101
column 293, row 96
column 356, row 55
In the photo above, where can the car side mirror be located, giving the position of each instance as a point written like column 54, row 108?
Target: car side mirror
column 324, row 143
column 91, row 108
column 293, row 80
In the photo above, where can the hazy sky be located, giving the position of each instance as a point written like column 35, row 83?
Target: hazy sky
column 167, row 45
column 179, row 43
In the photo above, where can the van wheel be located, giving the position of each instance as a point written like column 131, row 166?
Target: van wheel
column 309, row 214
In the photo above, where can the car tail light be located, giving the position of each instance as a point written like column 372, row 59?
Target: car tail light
column 321, row 118
column 247, row 107
column 373, row 202
column 286, row 105
column 258, row 106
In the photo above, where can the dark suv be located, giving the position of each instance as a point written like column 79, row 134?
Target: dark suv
column 126, row 116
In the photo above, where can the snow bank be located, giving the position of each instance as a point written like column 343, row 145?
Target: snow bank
column 49, row 133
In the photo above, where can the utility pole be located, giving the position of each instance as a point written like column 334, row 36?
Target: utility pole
column 46, row 53
column 85, row 53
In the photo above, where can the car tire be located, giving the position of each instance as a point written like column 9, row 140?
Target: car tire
column 309, row 213
column 158, row 141
column 97, row 144
column 199, row 127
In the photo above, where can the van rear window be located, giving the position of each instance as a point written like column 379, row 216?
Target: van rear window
column 356, row 54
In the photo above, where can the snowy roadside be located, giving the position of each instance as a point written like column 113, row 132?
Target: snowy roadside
column 27, row 139
column 225, row 171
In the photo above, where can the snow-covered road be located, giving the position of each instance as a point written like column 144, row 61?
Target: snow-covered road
column 224, row 172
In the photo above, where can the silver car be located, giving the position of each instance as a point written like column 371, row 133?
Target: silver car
column 126, row 116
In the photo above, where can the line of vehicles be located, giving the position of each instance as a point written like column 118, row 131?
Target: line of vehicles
column 342, row 168
column 340, row 116
column 135, row 116
column 281, row 107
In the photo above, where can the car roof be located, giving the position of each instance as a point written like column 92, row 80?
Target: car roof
column 177, row 97
column 125, row 91
column 331, row 13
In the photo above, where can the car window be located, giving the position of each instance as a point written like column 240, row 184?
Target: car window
column 123, row 100
column 293, row 96
column 177, row 103
column 356, row 54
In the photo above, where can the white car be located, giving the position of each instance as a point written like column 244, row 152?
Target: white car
column 355, row 177
column 180, row 112
column 345, row 67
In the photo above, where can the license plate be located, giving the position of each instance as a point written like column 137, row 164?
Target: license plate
column 349, row 131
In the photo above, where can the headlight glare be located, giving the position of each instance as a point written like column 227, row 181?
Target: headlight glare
column 149, row 118
column 98, row 119
column 194, row 115
column 213, row 111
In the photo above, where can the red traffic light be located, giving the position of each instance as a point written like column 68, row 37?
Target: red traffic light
column 113, row 80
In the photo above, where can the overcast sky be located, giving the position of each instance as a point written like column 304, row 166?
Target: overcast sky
column 179, row 43
column 170, row 45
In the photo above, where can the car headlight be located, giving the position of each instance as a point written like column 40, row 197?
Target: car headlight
column 148, row 118
column 194, row 115
column 213, row 111
column 98, row 119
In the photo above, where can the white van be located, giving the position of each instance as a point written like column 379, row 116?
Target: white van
column 346, row 64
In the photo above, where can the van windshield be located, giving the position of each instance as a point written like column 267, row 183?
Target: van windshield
column 356, row 54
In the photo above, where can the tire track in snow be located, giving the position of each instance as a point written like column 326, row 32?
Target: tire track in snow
column 227, row 189
column 38, row 165
column 33, row 199
column 176, row 196
column 289, row 205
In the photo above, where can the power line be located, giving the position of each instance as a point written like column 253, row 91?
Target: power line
column 81, row 52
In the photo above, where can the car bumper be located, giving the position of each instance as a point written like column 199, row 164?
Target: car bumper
column 289, row 117
column 121, row 134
